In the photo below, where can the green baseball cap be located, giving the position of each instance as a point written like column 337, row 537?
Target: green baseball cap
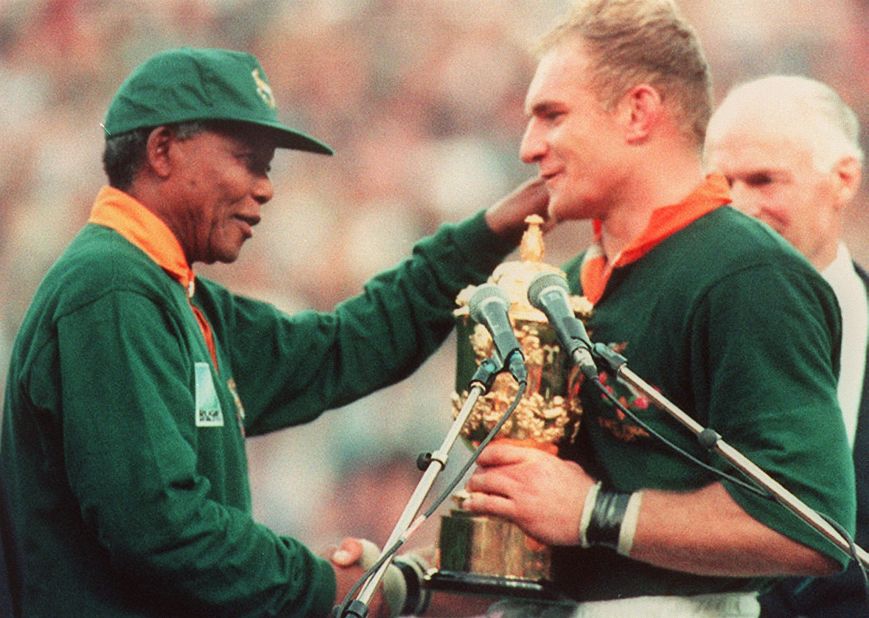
column 188, row 84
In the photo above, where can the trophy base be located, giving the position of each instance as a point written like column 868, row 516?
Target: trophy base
column 491, row 585
column 487, row 555
column 486, row 545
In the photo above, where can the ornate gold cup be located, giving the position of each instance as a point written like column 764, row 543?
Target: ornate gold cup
column 489, row 553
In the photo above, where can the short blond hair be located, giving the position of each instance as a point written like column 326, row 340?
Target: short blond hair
column 631, row 42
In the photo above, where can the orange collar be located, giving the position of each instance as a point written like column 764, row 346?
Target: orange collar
column 665, row 221
column 116, row 210
column 127, row 216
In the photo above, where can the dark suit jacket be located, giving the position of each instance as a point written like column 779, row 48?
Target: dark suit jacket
column 843, row 595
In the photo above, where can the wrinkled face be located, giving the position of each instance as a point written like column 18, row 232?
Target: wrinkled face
column 570, row 136
column 773, row 178
column 221, row 182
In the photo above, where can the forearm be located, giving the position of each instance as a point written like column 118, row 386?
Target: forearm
column 323, row 360
column 706, row 532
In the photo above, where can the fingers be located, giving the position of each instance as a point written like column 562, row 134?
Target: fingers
column 508, row 215
column 496, row 481
column 489, row 504
column 348, row 553
column 501, row 468
column 534, row 489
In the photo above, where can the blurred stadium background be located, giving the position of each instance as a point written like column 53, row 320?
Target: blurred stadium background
column 422, row 100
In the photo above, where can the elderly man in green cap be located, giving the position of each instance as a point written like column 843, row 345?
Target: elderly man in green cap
column 133, row 382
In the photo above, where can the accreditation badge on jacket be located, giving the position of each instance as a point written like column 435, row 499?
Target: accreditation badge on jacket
column 208, row 410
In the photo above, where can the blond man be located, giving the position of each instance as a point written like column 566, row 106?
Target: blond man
column 710, row 307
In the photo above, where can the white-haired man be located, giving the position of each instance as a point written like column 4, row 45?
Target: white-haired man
column 789, row 147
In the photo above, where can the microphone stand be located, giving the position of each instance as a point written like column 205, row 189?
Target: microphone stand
column 479, row 384
column 710, row 440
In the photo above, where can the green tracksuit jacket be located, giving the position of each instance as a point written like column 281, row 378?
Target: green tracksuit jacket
column 123, row 460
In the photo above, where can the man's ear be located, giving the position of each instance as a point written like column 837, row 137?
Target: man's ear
column 157, row 150
column 847, row 173
column 640, row 109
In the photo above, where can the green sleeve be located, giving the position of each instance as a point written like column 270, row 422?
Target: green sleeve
column 289, row 369
column 133, row 467
column 769, row 370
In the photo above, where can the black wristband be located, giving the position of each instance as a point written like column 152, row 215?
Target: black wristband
column 607, row 517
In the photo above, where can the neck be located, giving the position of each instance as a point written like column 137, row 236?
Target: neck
column 663, row 182
column 825, row 255
column 152, row 196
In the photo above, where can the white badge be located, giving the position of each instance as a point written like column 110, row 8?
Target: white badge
column 208, row 412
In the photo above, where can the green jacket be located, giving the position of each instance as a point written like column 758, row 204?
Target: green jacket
column 122, row 451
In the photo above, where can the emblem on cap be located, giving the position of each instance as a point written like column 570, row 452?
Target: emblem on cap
column 263, row 89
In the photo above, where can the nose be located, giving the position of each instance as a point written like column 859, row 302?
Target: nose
column 263, row 190
column 533, row 145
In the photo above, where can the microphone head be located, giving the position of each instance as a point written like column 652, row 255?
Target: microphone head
column 544, row 282
column 484, row 294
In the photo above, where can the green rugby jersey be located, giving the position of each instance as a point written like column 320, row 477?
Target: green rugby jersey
column 740, row 332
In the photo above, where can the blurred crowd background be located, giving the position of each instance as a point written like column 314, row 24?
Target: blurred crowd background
column 422, row 101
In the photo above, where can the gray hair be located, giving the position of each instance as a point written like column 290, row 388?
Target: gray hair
column 124, row 154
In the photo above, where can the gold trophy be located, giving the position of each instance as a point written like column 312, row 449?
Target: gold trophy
column 488, row 554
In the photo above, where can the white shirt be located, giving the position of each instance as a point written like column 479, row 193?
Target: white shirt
column 851, row 294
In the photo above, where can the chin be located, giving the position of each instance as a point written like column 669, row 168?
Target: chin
column 565, row 212
column 223, row 258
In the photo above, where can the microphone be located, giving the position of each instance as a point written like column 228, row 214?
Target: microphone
column 488, row 306
column 548, row 293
